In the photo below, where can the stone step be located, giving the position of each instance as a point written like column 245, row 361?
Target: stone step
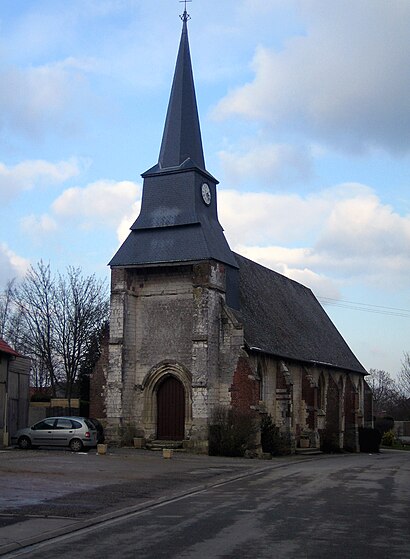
column 308, row 451
column 178, row 446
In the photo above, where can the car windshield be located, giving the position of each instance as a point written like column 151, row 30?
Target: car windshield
column 90, row 424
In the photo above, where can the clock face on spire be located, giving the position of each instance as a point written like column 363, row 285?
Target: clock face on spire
column 206, row 193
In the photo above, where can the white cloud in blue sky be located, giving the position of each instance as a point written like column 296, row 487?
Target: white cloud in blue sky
column 305, row 121
column 344, row 82
column 32, row 174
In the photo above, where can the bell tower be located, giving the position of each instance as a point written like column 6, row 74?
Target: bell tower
column 171, row 279
column 178, row 221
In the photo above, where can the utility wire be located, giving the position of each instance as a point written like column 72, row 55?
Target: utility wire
column 364, row 307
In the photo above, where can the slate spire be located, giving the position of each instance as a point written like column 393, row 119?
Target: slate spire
column 178, row 221
column 182, row 134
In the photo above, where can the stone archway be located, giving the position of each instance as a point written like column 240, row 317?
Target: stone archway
column 156, row 384
column 170, row 409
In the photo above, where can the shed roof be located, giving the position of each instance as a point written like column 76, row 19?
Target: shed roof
column 282, row 317
column 5, row 348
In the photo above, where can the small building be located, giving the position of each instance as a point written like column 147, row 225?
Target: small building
column 14, row 392
column 195, row 327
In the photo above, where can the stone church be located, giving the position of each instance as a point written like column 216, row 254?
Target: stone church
column 195, row 326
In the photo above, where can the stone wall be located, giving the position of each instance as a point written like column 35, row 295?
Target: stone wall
column 170, row 320
column 319, row 403
column 173, row 320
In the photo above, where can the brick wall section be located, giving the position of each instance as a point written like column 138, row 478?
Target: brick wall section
column 245, row 388
column 98, row 380
column 230, row 344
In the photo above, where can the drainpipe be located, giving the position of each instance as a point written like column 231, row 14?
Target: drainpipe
column 5, row 429
column 6, row 407
column 6, row 440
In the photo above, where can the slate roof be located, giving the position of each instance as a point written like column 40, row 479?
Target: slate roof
column 283, row 318
column 175, row 225
column 187, row 243
column 181, row 141
column 5, row 348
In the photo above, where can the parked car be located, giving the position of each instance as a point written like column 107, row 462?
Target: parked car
column 404, row 440
column 76, row 432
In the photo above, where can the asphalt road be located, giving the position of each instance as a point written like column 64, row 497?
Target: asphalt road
column 333, row 507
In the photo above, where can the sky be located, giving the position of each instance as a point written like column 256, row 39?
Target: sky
column 305, row 119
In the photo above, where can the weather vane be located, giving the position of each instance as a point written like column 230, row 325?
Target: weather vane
column 185, row 16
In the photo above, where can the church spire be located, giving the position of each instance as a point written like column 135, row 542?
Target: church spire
column 178, row 221
column 181, row 140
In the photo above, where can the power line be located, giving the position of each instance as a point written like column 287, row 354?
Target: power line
column 365, row 307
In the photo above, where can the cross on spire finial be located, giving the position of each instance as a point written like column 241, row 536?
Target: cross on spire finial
column 185, row 16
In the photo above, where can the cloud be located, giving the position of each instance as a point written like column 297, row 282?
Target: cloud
column 37, row 98
column 295, row 264
column 270, row 163
column 282, row 217
column 103, row 203
column 349, row 235
column 344, row 81
column 123, row 229
column 11, row 265
column 381, row 231
column 27, row 174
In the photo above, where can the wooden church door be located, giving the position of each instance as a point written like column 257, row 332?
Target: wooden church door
column 171, row 410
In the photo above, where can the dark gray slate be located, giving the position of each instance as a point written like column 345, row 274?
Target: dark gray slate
column 284, row 318
column 173, row 244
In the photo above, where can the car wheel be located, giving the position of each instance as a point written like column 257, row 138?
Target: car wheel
column 76, row 445
column 24, row 443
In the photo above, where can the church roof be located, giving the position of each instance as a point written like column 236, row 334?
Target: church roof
column 185, row 243
column 283, row 318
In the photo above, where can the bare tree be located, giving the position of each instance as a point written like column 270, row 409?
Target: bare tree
column 385, row 392
column 57, row 317
column 34, row 300
column 6, row 310
column 404, row 376
column 81, row 307
column 402, row 411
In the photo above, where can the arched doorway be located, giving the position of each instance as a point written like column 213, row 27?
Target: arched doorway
column 170, row 409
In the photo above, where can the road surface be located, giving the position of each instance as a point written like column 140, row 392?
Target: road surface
column 350, row 506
